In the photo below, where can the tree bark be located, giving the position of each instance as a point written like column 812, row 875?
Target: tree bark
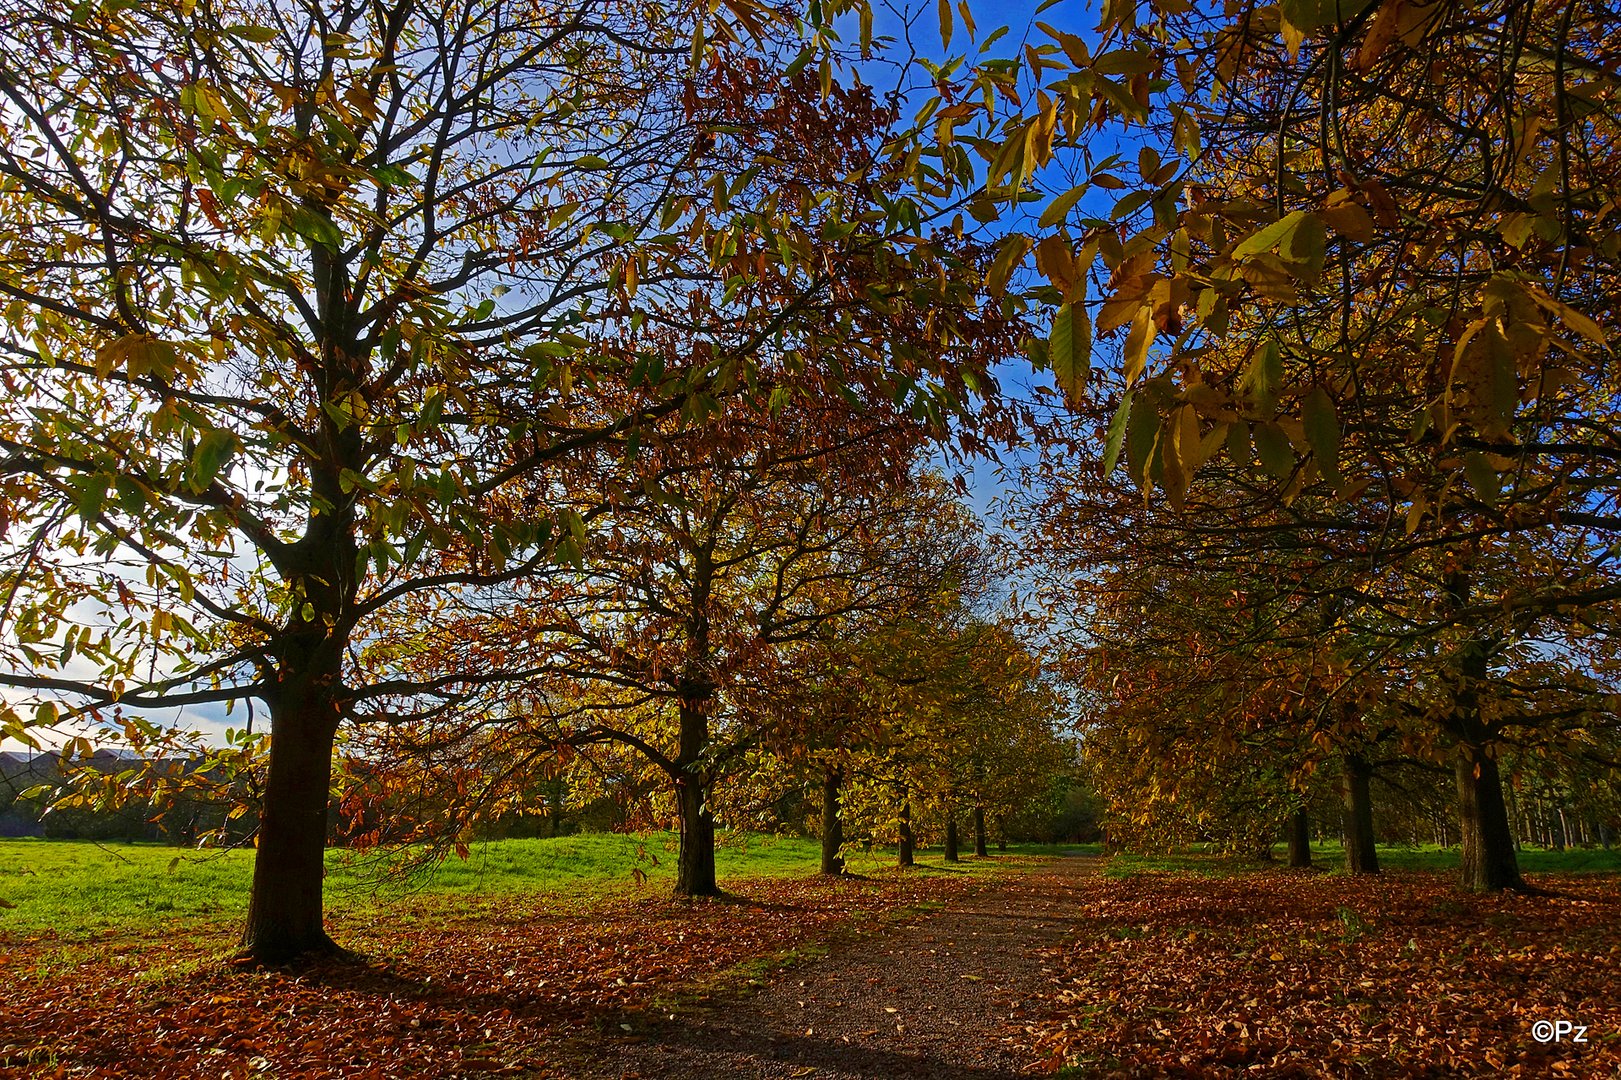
column 832, row 824
column 285, row 906
column 980, row 850
column 695, row 863
column 1488, row 863
column 1299, row 840
column 306, row 699
column 1360, row 856
column 1516, row 817
column 951, row 840
column 905, row 855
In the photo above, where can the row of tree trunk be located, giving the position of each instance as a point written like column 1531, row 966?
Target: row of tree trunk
column 1488, row 862
column 906, row 840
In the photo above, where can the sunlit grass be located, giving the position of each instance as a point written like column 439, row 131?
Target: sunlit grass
column 78, row 889
column 1200, row 858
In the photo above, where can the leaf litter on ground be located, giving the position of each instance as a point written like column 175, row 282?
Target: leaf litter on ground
column 450, row 988
column 1287, row 974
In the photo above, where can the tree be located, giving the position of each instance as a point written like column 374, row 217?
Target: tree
column 1363, row 256
column 300, row 301
column 955, row 714
column 687, row 632
column 692, row 609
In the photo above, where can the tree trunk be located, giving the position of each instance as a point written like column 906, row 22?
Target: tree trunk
column 979, row 833
column 695, row 693
column 905, row 856
column 951, row 840
column 1360, row 856
column 695, row 863
column 1488, row 863
column 284, row 909
column 1515, row 817
column 1299, row 840
column 832, row 825
column 285, row 905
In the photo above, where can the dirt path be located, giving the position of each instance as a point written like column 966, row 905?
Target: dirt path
column 932, row 998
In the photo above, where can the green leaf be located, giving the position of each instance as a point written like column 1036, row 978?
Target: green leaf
column 1501, row 392
column 214, row 449
column 1238, row 444
column 313, row 226
column 1266, row 239
column 1070, row 349
column 798, row 63
column 1322, row 426
column 1263, row 377
column 1061, row 206
column 1305, row 248
column 1008, row 256
column 1316, row 14
column 1130, row 204
column 945, row 23
column 132, row 497
column 1142, row 429
column 257, row 34
column 90, row 494
column 1117, row 434
column 392, row 174
column 1482, row 477
column 1272, row 447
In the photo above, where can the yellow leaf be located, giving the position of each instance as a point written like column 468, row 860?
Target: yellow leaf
column 1008, row 257
column 1138, row 340
column 1070, row 350
column 1568, row 315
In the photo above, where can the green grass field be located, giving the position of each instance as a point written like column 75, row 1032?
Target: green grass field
column 1200, row 859
column 77, row 889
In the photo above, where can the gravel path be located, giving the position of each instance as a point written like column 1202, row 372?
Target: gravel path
column 938, row 997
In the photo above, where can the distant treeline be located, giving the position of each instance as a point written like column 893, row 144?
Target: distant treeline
column 29, row 783
column 181, row 818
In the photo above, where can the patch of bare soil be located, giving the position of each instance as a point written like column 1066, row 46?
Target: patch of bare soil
column 941, row 996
